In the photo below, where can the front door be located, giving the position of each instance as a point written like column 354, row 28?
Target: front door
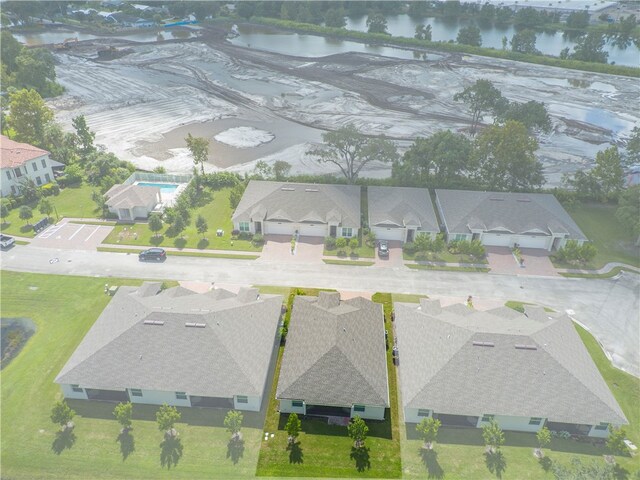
column 556, row 243
column 333, row 230
column 258, row 227
column 410, row 234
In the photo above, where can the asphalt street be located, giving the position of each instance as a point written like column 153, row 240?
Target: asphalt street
column 609, row 308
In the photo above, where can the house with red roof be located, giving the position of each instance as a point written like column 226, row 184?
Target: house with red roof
column 21, row 161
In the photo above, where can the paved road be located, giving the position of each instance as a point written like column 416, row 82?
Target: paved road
column 608, row 307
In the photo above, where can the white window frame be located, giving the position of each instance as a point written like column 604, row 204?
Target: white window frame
column 181, row 396
column 359, row 408
column 35, row 166
column 76, row 388
column 44, row 163
column 242, row 399
column 47, row 177
column 488, row 418
column 38, row 180
column 244, row 226
column 535, row 421
column 601, row 426
column 135, row 392
column 9, row 174
column 423, row 412
column 347, row 229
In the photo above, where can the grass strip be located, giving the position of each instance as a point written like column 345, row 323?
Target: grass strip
column 354, row 263
column 183, row 254
column 446, row 268
column 612, row 273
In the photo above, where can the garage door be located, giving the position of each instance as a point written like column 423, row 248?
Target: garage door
column 383, row 233
column 315, row 230
column 284, row 228
column 497, row 240
column 534, row 242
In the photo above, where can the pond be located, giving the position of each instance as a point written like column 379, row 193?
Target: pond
column 14, row 333
column 59, row 36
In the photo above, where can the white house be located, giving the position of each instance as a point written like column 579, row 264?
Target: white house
column 528, row 220
column 178, row 347
column 401, row 213
column 21, row 161
column 334, row 361
column 133, row 201
column 316, row 210
column 466, row 367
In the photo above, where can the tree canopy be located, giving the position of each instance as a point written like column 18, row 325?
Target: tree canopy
column 628, row 211
column 590, row 48
column 199, row 148
column 377, row 23
column 469, row 36
column 524, row 41
column 481, row 98
column 28, row 116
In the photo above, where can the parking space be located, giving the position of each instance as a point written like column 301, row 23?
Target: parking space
column 74, row 236
column 536, row 262
column 395, row 256
column 277, row 248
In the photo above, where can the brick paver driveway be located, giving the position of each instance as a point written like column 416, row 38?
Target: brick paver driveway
column 395, row 256
column 536, row 262
column 277, row 248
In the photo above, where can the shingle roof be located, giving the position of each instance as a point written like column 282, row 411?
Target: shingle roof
column 13, row 154
column 553, row 377
column 130, row 196
column 230, row 355
column 300, row 202
column 519, row 213
column 401, row 206
column 335, row 353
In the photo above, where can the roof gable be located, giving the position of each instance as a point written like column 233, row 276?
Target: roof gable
column 401, row 206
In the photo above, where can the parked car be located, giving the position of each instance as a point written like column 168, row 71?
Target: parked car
column 6, row 241
column 383, row 249
column 157, row 254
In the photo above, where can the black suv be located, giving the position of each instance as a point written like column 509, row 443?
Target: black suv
column 157, row 254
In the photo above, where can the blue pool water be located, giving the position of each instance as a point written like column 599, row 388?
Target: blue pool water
column 164, row 187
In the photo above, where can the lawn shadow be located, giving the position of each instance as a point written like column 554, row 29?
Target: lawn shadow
column 180, row 242
column 361, row 457
column 496, row 463
column 156, row 240
column 620, row 473
column 203, row 243
column 26, row 228
column 295, row 453
column 235, row 449
column 127, row 444
column 170, row 451
column 546, row 463
column 64, row 440
column 430, row 460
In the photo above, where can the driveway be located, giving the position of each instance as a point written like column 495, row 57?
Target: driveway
column 536, row 262
column 277, row 249
column 67, row 235
column 395, row 256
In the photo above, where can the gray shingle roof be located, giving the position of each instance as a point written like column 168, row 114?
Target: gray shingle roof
column 520, row 213
column 441, row 368
column 229, row 356
column 299, row 202
column 335, row 355
column 401, row 206
column 130, row 196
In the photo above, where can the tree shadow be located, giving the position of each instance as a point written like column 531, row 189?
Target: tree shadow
column 127, row 444
column 180, row 242
column 203, row 243
column 156, row 240
column 546, row 463
column 235, row 449
column 496, row 463
column 170, row 451
column 620, row 473
column 361, row 457
column 26, row 228
column 430, row 460
column 63, row 441
column 295, row 453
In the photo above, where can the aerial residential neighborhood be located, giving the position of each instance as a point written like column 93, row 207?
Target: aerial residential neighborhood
column 312, row 239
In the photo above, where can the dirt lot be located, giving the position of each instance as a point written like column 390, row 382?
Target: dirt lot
column 143, row 104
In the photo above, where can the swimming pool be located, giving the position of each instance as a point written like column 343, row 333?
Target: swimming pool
column 164, row 187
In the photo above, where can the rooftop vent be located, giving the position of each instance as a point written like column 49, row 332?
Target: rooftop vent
column 483, row 344
column 288, row 189
column 497, row 199
column 153, row 322
column 195, row 325
column 523, row 199
column 520, row 346
column 311, row 190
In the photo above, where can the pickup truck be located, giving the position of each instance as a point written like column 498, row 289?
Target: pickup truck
column 6, row 241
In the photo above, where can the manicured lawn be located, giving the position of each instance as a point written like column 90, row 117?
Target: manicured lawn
column 443, row 256
column 182, row 254
column 64, row 308
column 361, row 252
column 325, row 450
column 217, row 212
column 355, row 263
column 613, row 241
column 407, row 297
column 71, row 202
column 611, row 273
column 446, row 268
column 519, row 306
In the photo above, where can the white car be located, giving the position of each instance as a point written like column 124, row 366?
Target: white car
column 6, row 241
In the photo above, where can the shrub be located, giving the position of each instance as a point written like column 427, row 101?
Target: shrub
column 409, row 248
column 235, row 233
column 220, row 180
column 245, row 236
column 50, row 189
column 354, row 243
column 258, row 239
column 330, row 243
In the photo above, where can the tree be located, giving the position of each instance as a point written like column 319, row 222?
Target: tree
column 423, row 32
column 350, row 150
column 201, row 225
column 358, row 430
column 281, row 169
column 10, row 48
column 578, row 19
column 628, row 211
column 481, row 98
column 167, row 417
column 155, row 223
column 4, row 212
column 608, row 172
column 469, row 36
column 263, row 170
column 544, row 437
column 36, row 69
column 73, row 174
column 199, row 148
column 45, row 207
column 533, row 115
column 428, row 430
column 493, row 435
column 377, row 23
column 83, row 136
column 524, row 41
column 233, row 423
column 632, row 155
column 293, row 427
column 615, row 441
column 28, row 116
column 25, row 213
column 590, row 48
column 335, row 18
column 354, row 244
column 123, row 413
column 179, row 224
column 506, row 156
column 62, row 415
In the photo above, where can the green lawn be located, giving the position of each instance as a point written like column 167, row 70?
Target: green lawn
column 182, row 254
column 611, row 273
column 361, row 252
column 443, row 256
column 64, row 308
column 217, row 212
column 613, row 241
column 325, row 450
column 446, row 268
column 355, row 263
column 519, row 306
column 71, row 202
